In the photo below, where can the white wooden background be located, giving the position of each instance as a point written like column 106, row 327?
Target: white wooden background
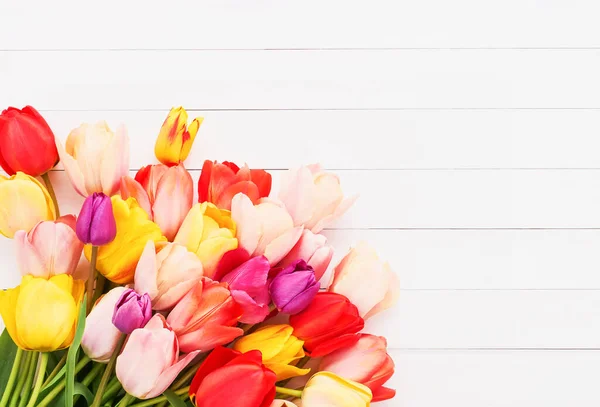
column 471, row 129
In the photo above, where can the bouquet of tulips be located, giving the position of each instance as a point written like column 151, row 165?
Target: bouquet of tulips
column 146, row 298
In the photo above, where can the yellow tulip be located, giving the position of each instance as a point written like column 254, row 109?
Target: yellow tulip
column 175, row 139
column 25, row 202
column 41, row 314
column 209, row 232
column 326, row 389
column 118, row 259
column 280, row 349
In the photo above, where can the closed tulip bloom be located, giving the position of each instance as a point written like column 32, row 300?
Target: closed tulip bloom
column 150, row 360
column 101, row 336
column 313, row 197
column 49, row 249
column 280, row 350
column 329, row 323
column 26, row 142
column 313, row 249
column 266, row 229
column 166, row 194
column 206, row 317
column 366, row 362
column 95, row 158
column 96, row 223
column 228, row 378
column 326, row 389
column 294, row 288
column 41, row 314
column 368, row 282
column 167, row 275
column 219, row 183
column 210, row 233
column 175, row 139
column 118, row 259
column 25, row 202
column 132, row 311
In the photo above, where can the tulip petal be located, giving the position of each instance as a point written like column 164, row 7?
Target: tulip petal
column 173, row 200
column 209, row 336
column 279, row 247
column 8, row 311
column 246, row 218
column 320, row 261
column 28, row 259
column 100, row 336
column 298, row 194
column 254, row 312
column 339, row 211
column 132, row 188
column 115, row 162
column 247, row 188
column 146, row 271
column 189, row 137
column 167, row 377
column 263, row 181
column 72, row 169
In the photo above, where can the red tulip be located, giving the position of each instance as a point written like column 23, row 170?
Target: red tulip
column 228, row 378
column 26, row 142
column 219, row 183
column 329, row 323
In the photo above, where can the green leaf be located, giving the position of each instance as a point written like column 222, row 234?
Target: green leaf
column 8, row 350
column 72, row 355
column 85, row 392
column 173, row 398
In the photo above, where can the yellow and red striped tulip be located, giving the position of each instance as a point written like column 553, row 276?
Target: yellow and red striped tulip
column 175, row 139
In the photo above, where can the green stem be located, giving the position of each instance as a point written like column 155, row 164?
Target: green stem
column 126, row 400
column 29, row 380
column 157, row 400
column 61, row 385
column 100, row 282
column 39, row 379
column 108, row 372
column 12, row 378
column 289, row 392
column 91, row 279
column 50, row 189
column 57, row 368
column 89, row 378
column 189, row 374
column 24, row 370
column 113, row 388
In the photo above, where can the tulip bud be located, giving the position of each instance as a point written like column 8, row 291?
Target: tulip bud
column 132, row 311
column 175, row 139
column 96, row 222
column 326, row 389
column 293, row 289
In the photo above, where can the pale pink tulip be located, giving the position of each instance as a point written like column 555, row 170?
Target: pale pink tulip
column 313, row 249
column 282, row 403
column 49, row 249
column 167, row 275
column 166, row 194
column 150, row 360
column 313, row 197
column 95, row 158
column 366, row 281
column 100, row 336
column 266, row 229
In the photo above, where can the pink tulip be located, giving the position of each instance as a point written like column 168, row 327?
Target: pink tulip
column 366, row 362
column 282, row 403
column 166, row 194
column 49, row 249
column 313, row 249
column 150, row 360
column 313, row 197
column 366, row 281
column 95, row 158
column 100, row 336
column 266, row 229
column 167, row 275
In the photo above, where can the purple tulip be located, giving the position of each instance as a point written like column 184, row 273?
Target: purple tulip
column 294, row 288
column 132, row 311
column 96, row 222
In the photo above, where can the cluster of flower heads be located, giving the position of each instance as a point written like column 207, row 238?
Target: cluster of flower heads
column 235, row 286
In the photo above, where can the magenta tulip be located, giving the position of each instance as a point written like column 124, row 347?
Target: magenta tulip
column 96, row 223
column 132, row 311
column 294, row 288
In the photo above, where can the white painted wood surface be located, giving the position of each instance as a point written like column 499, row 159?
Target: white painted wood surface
column 470, row 128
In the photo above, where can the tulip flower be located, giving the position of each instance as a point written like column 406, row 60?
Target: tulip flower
column 326, row 389
column 366, row 362
column 95, row 158
column 219, row 183
column 118, row 259
column 313, row 197
column 279, row 348
column 96, row 222
column 265, row 229
column 150, row 360
column 49, row 249
column 25, row 202
column 41, row 313
column 167, row 275
column 313, row 249
column 294, row 288
column 228, row 378
column 132, row 311
column 175, row 139
column 206, row 317
column 329, row 323
column 100, row 336
column 166, row 194
column 26, row 142
column 369, row 283
column 210, row 233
